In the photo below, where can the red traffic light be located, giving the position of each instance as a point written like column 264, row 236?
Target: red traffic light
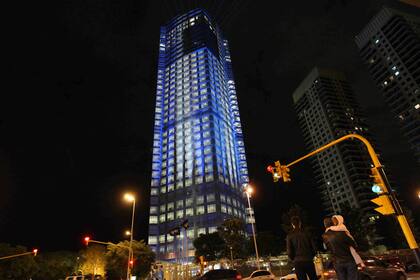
column 35, row 251
column 270, row 169
column 131, row 262
column 87, row 239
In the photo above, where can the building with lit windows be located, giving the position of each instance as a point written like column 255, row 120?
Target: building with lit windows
column 327, row 110
column 199, row 163
column 390, row 47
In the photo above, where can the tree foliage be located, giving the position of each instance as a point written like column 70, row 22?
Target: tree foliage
column 360, row 228
column 18, row 268
column 295, row 210
column 117, row 259
column 59, row 265
column 268, row 244
column 93, row 260
column 55, row 265
column 232, row 231
column 211, row 246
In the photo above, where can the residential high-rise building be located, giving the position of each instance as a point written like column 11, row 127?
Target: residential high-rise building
column 327, row 110
column 390, row 47
column 199, row 163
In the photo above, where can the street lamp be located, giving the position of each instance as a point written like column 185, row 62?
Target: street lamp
column 249, row 190
column 130, row 198
column 231, row 256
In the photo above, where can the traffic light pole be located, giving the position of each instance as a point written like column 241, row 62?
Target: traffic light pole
column 402, row 220
column 17, row 255
column 387, row 190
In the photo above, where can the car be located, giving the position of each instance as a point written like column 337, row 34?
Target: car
column 292, row 276
column 318, row 270
column 413, row 267
column 377, row 269
column 84, row 277
column 221, row 274
column 393, row 260
column 260, row 275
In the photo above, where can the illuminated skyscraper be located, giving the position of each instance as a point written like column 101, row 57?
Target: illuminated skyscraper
column 199, row 163
column 390, row 47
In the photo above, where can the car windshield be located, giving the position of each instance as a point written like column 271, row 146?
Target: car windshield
column 260, row 273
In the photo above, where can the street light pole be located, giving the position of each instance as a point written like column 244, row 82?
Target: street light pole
column 231, row 255
column 131, row 198
column 248, row 192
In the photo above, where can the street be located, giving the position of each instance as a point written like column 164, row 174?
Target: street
column 414, row 276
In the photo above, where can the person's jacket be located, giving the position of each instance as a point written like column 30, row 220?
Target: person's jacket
column 300, row 246
column 339, row 243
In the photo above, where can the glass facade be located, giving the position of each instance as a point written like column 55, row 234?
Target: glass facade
column 199, row 163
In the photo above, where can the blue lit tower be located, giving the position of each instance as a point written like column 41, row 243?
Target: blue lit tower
column 199, row 163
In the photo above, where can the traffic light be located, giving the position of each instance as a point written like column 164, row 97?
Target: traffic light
column 275, row 171
column 270, row 169
column 285, row 173
column 86, row 240
column 35, row 252
column 131, row 262
column 385, row 205
column 279, row 172
column 378, row 183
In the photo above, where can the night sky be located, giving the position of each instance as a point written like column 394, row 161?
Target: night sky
column 77, row 108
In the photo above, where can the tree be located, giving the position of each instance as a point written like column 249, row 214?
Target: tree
column 295, row 210
column 298, row 211
column 93, row 260
column 56, row 265
column 117, row 259
column 210, row 246
column 360, row 228
column 23, row 267
column 268, row 244
column 232, row 231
